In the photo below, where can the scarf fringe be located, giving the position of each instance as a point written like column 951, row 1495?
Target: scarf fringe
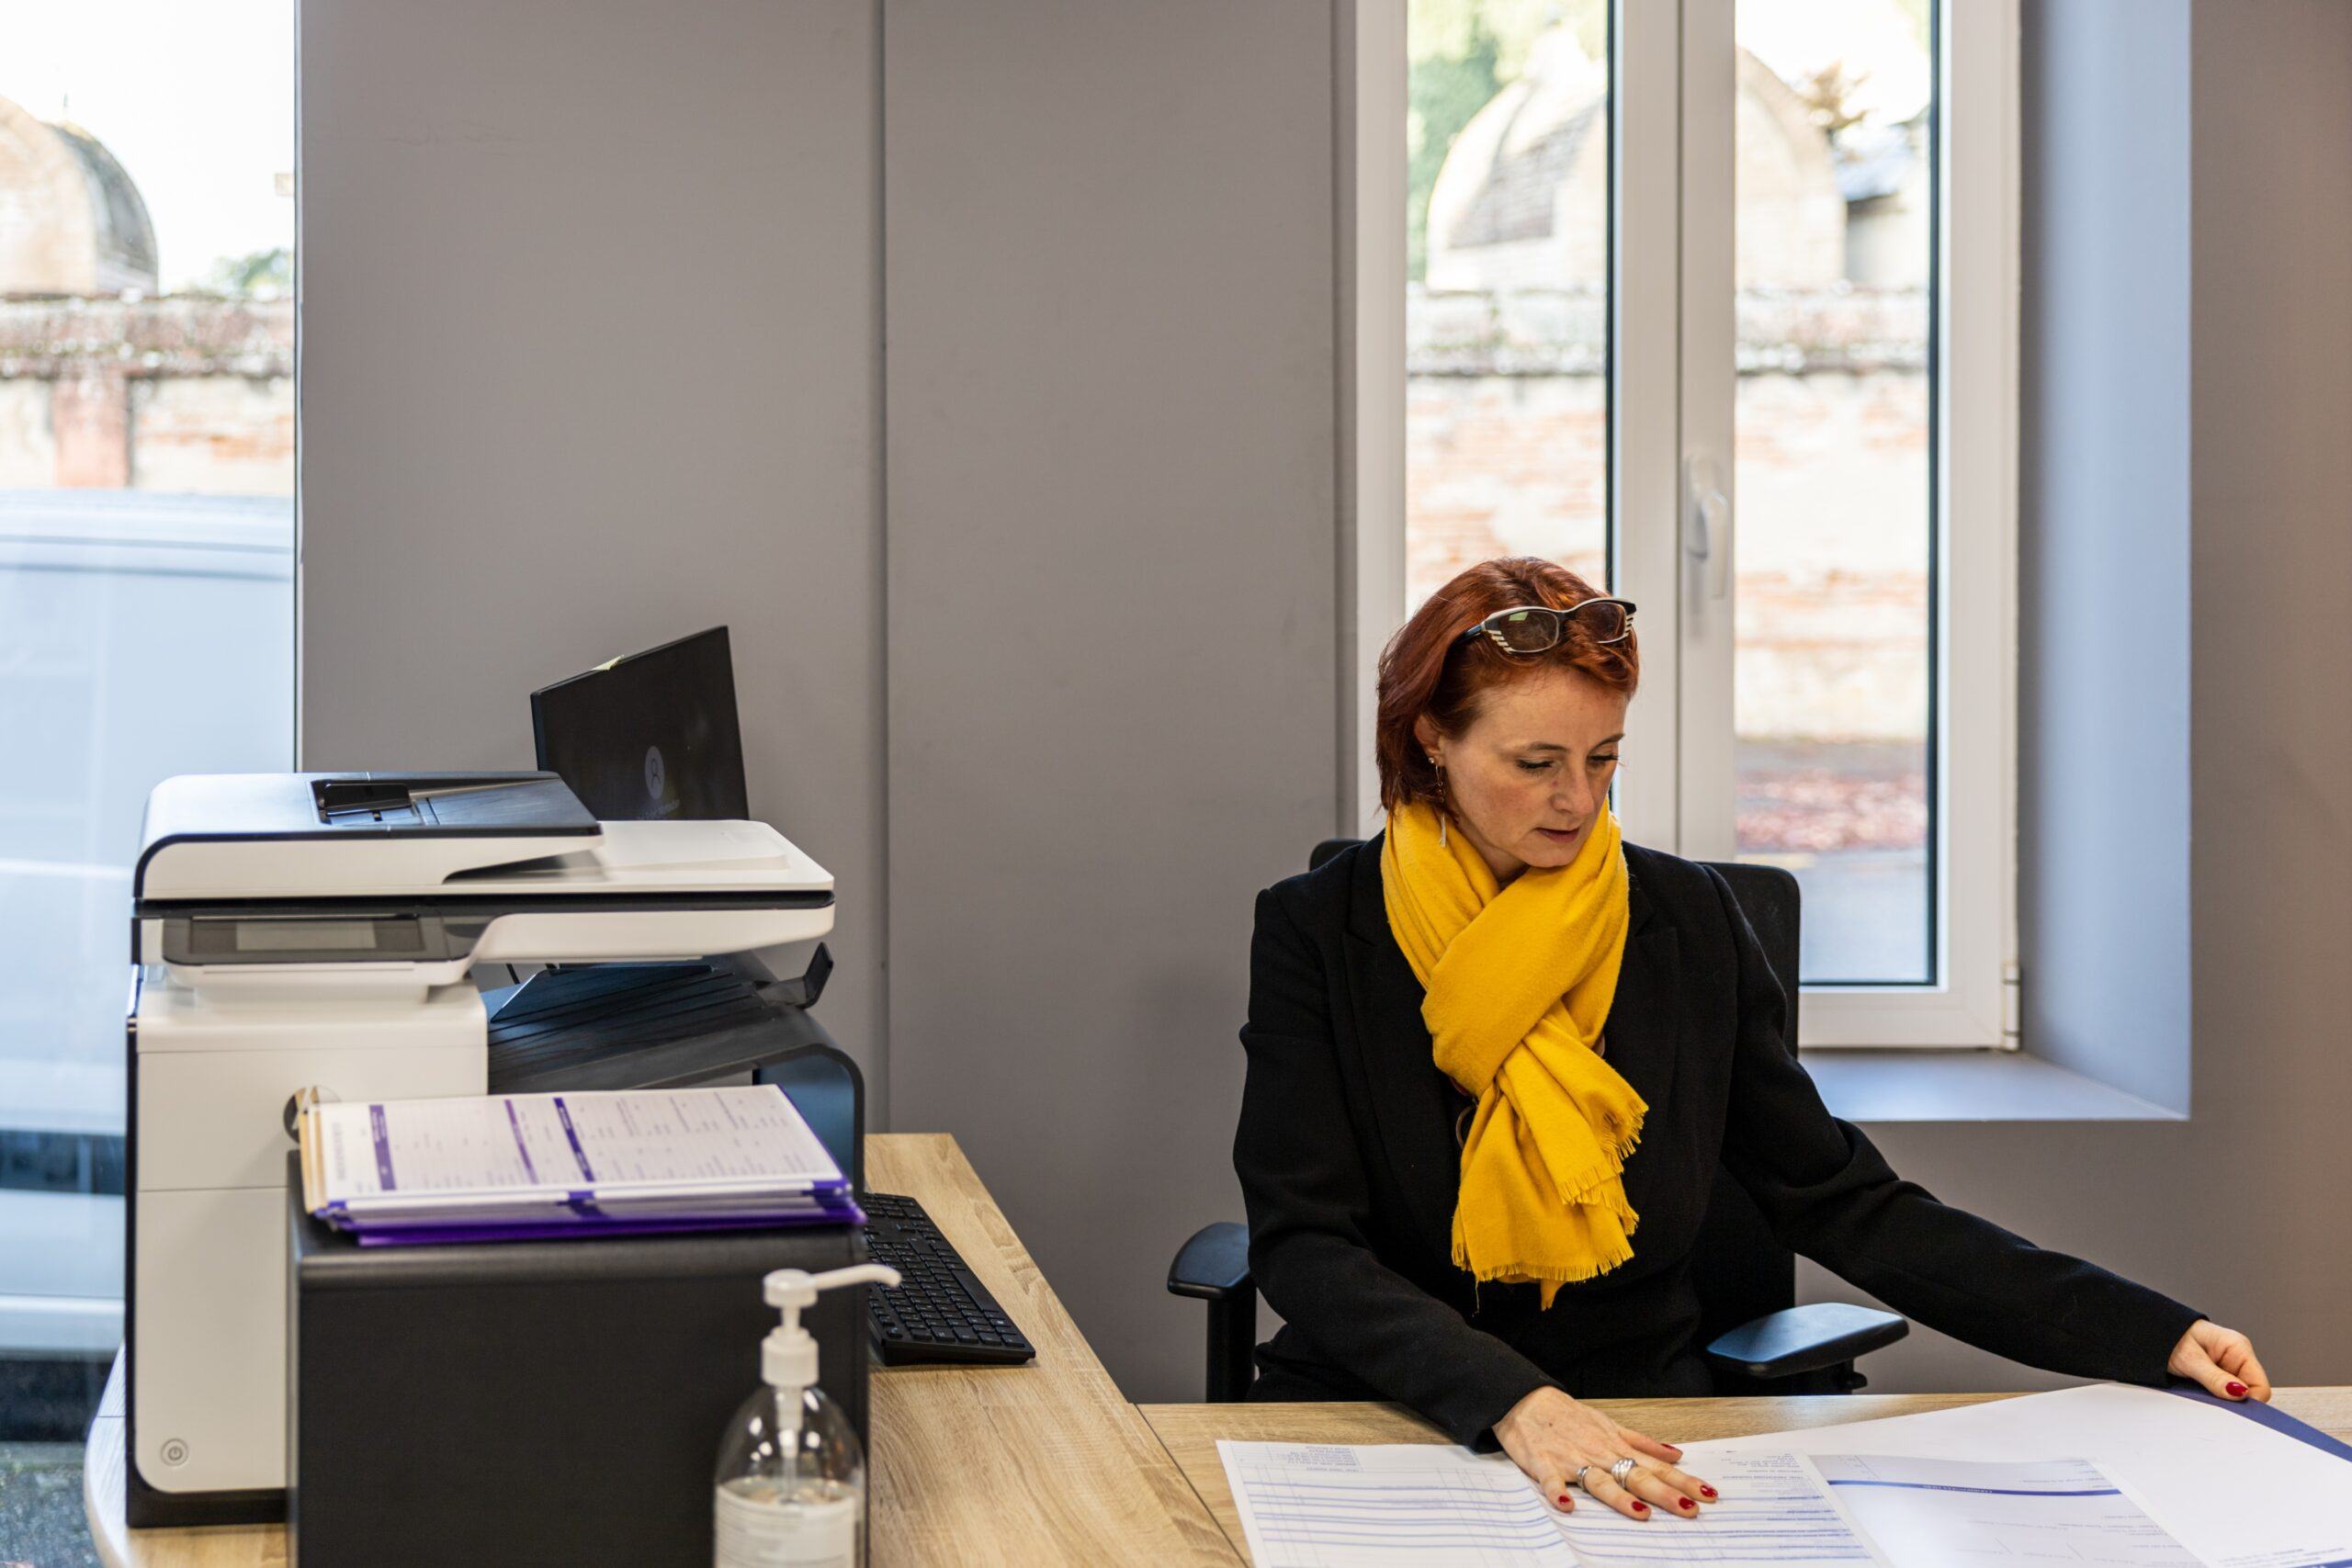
column 1542, row 1274
column 1591, row 1185
column 1598, row 1189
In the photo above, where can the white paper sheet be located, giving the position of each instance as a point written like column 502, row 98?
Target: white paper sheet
column 1388, row 1505
column 1941, row 1513
column 1773, row 1513
column 2156, row 1482
column 2233, row 1492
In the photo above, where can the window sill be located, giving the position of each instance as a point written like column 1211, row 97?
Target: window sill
column 1895, row 1085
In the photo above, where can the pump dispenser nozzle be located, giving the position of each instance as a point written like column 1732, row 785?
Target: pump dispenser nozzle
column 788, row 1358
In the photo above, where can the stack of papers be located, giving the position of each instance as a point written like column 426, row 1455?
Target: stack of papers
column 2127, row 1477
column 547, row 1164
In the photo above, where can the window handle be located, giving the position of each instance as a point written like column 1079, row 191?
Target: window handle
column 1706, row 528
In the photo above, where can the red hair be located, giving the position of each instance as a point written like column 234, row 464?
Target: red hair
column 1428, row 670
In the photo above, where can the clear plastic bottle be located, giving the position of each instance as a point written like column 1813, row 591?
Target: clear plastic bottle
column 791, row 1478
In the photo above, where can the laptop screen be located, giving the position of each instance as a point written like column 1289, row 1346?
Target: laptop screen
column 649, row 736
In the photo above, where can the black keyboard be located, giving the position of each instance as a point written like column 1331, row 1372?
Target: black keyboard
column 939, row 1311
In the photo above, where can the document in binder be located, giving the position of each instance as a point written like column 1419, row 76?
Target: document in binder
column 549, row 1165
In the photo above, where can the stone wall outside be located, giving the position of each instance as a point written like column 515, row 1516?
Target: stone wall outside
column 1505, row 453
column 1507, row 435
column 186, row 394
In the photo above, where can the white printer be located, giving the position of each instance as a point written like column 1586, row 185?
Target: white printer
column 300, row 931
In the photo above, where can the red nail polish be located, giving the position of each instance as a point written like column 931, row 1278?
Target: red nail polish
column 1564, row 1499
column 1709, row 1491
column 2237, row 1390
column 1641, row 1507
column 1684, row 1504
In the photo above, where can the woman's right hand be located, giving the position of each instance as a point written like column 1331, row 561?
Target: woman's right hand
column 1551, row 1436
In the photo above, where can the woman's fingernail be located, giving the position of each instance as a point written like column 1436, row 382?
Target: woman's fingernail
column 1564, row 1499
column 1641, row 1507
column 1684, row 1504
column 1706, row 1489
column 2237, row 1390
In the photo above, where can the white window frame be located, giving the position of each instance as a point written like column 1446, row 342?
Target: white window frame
column 1676, row 523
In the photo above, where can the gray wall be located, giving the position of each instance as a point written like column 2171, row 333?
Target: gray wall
column 1112, row 700
column 2103, row 552
column 590, row 343
column 593, row 297
column 2236, row 1209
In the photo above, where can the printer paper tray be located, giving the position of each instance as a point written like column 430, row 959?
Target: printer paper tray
column 637, row 1026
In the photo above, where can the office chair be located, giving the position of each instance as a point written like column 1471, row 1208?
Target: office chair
column 1759, row 1341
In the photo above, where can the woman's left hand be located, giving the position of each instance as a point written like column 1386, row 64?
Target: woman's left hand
column 2219, row 1360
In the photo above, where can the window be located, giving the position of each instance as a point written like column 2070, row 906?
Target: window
column 1832, row 709
column 1506, row 305
column 1712, row 301
column 146, row 561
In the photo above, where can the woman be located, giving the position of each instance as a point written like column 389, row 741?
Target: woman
column 1497, row 1057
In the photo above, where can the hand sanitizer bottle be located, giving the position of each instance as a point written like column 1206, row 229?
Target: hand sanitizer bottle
column 791, row 1486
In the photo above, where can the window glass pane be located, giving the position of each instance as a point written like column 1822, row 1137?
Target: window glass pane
column 1832, row 668
column 1506, row 317
column 146, row 566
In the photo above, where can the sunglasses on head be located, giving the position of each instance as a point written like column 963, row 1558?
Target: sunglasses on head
column 1537, row 628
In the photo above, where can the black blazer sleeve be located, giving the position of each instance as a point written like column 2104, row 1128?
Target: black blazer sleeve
column 1309, row 1205
column 1830, row 1195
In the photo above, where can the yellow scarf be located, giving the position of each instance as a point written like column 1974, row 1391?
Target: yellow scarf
column 1519, row 982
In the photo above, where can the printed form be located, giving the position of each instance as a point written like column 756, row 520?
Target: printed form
column 1324, row 1506
column 1339, row 1506
column 1384, row 1506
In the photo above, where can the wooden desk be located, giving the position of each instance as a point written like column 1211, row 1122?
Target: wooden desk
column 1190, row 1432
column 1048, row 1464
column 1040, row 1463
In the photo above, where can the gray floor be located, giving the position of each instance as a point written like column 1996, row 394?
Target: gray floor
column 41, row 1507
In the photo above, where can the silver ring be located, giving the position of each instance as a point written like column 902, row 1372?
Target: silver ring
column 1580, row 1476
column 1622, row 1469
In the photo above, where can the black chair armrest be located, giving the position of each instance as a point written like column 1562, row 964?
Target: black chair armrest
column 1215, row 1265
column 1800, row 1340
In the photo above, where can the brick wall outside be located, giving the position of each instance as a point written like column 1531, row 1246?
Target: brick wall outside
column 1506, row 437
column 1832, row 537
column 185, row 394
column 1506, row 453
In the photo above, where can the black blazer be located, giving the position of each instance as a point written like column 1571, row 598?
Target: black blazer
column 1348, row 1162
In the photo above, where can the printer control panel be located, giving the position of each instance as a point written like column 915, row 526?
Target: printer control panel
column 317, row 937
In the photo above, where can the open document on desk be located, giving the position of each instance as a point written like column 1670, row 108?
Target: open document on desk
column 2129, row 1478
